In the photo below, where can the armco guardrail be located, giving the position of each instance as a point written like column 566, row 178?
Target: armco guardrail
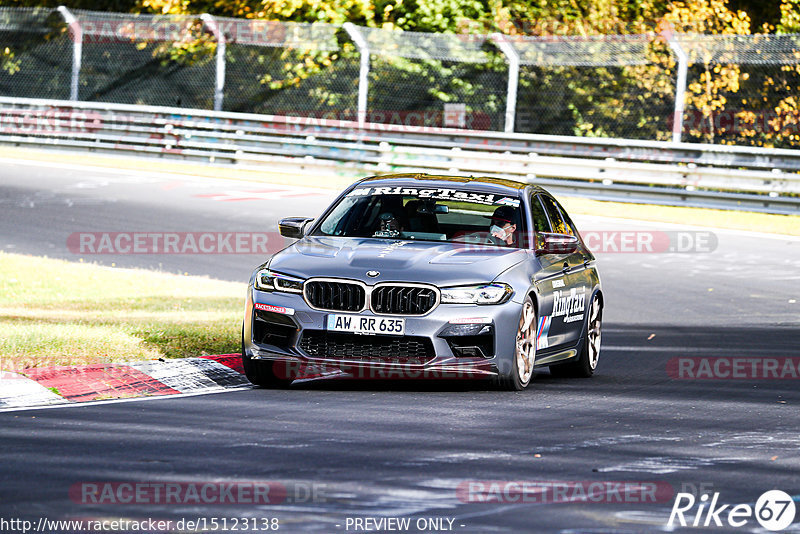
column 666, row 173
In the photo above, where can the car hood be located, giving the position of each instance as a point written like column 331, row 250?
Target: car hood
column 407, row 261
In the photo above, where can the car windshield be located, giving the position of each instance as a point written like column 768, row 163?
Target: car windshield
column 434, row 214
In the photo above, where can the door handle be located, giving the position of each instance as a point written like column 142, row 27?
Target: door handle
column 566, row 267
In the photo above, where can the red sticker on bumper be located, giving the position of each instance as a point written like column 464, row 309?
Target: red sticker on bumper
column 274, row 309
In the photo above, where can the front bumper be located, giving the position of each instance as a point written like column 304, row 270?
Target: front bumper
column 451, row 341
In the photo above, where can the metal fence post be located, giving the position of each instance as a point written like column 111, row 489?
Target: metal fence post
column 77, row 49
column 363, row 72
column 512, row 58
column 219, row 84
column 680, row 84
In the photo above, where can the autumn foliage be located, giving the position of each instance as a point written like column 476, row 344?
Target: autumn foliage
column 725, row 102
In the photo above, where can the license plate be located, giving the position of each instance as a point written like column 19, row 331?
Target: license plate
column 359, row 324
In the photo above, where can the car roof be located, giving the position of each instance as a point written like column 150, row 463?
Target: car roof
column 480, row 183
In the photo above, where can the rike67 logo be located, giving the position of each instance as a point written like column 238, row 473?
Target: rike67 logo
column 774, row 510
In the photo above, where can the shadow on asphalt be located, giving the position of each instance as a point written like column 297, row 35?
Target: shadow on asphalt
column 642, row 358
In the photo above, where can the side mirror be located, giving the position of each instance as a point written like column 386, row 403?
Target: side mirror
column 293, row 227
column 547, row 243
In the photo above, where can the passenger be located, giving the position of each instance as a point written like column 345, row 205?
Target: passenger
column 503, row 226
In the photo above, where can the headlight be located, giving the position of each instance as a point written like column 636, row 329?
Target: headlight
column 267, row 280
column 479, row 294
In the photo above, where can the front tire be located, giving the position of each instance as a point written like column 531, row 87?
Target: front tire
column 265, row 373
column 520, row 373
column 589, row 355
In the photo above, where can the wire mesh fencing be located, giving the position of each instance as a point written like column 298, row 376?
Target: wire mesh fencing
column 743, row 90
column 738, row 89
column 603, row 86
column 163, row 60
column 283, row 68
column 36, row 54
column 434, row 80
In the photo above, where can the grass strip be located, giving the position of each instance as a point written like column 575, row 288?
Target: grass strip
column 54, row 312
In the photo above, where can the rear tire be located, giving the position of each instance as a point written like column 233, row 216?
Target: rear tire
column 589, row 354
column 520, row 373
column 266, row 373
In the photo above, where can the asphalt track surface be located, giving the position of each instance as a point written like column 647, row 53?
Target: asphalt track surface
column 402, row 449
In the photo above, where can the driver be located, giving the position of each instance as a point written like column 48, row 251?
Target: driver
column 502, row 226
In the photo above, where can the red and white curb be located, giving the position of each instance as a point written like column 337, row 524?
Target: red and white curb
column 18, row 390
column 44, row 386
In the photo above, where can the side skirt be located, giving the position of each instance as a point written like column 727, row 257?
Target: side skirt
column 557, row 357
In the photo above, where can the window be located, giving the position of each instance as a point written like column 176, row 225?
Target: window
column 557, row 222
column 426, row 215
column 540, row 223
column 567, row 220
